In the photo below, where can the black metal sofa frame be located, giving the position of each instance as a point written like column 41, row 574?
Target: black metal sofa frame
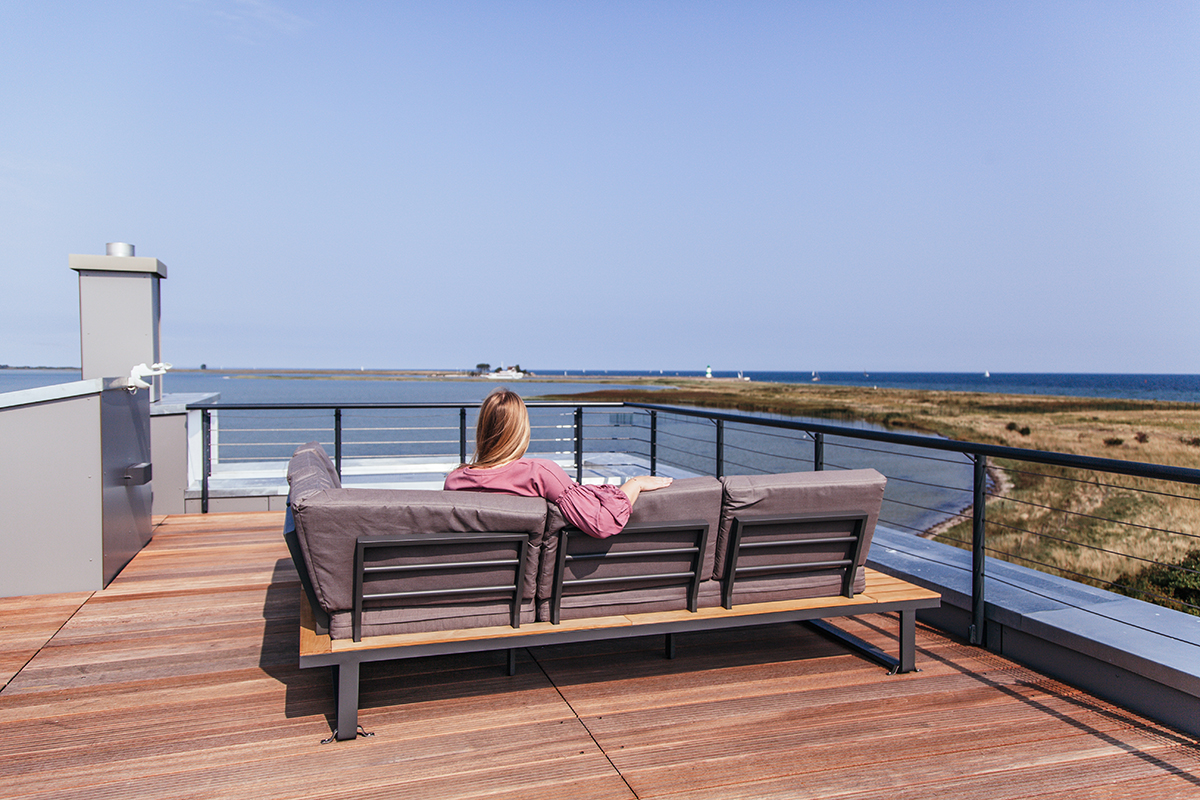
column 882, row 594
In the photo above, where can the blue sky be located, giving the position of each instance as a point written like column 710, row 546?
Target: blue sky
column 798, row 185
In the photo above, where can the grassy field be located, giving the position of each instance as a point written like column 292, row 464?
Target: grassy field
column 1080, row 524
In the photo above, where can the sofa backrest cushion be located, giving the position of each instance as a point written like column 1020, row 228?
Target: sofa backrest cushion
column 330, row 521
column 809, row 493
column 684, row 500
column 311, row 470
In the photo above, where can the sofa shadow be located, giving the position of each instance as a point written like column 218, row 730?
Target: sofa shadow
column 470, row 675
column 308, row 692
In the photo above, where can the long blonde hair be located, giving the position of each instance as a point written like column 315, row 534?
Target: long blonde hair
column 502, row 433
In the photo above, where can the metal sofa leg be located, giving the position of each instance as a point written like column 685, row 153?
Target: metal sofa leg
column 908, row 641
column 346, row 678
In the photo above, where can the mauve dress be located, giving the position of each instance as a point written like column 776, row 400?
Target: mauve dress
column 599, row 510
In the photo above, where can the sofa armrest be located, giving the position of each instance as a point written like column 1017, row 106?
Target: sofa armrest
column 320, row 617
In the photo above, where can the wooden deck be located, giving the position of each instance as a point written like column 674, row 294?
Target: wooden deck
column 181, row 681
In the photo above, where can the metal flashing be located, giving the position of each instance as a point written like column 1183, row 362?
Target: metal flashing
column 134, row 264
column 57, row 391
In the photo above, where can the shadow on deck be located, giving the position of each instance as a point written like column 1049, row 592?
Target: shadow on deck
column 180, row 680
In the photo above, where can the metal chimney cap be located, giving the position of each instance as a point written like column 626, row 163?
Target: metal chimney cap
column 119, row 249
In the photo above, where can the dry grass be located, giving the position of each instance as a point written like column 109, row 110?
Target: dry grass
column 1083, row 525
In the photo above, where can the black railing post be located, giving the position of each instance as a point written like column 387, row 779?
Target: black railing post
column 978, row 555
column 653, row 442
column 579, row 444
column 206, row 466
column 337, row 441
column 818, row 451
column 462, row 435
column 720, row 448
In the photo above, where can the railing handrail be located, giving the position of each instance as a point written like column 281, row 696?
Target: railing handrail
column 219, row 406
column 1137, row 469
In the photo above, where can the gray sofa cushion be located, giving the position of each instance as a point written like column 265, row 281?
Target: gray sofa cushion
column 311, row 470
column 638, row 601
column 793, row 587
column 825, row 492
column 684, row 500
column 329, row 522
column 385, row 621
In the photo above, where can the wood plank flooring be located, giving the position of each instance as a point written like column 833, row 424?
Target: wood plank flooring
column 180, row 681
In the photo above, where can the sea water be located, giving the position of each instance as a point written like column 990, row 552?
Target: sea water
column 1182, row 388
column 238, row 388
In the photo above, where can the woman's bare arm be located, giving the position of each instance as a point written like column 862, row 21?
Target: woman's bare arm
column 642, row 483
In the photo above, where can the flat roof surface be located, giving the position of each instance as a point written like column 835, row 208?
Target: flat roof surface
column 180, row 680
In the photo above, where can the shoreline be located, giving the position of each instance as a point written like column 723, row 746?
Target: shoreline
column 1001, row 487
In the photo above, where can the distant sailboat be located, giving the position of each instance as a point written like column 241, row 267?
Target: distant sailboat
column 815, row 376
column 987, row 374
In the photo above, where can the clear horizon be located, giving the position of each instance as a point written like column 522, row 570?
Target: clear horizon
column 1010, row 187
column 549, row 372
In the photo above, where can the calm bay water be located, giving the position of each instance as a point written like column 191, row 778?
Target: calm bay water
column 1182, row 388
column 236, row 388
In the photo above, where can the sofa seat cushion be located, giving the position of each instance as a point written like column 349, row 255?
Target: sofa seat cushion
column 632, row 601
column 449, row 617
column 792, row 587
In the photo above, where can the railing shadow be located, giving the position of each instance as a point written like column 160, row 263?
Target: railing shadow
column 1076, row 699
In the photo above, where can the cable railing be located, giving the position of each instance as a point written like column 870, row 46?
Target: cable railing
column 975, row 474
column 1102, row 521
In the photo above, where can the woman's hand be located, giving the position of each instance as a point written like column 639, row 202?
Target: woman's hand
column 643, row 483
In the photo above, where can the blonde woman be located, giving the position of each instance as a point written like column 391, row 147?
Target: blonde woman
column 501, row 438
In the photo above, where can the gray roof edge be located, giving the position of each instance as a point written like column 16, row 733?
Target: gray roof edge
column 178, row 402
column 1112, row 628
column 57, row 391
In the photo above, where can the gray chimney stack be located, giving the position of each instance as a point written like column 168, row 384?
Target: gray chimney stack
column 119, row 312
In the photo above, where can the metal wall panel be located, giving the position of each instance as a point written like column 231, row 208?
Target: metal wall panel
column 50, row 497
column 125, row 441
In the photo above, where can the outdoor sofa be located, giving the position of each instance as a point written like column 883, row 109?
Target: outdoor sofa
column 397, row 573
